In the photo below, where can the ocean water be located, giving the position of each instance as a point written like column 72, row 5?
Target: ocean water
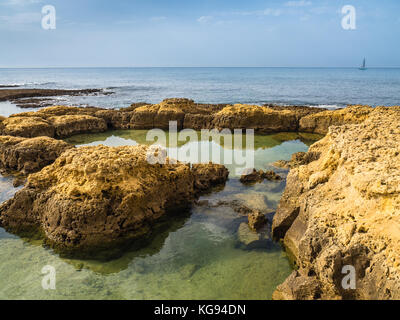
column 194, row 255
column 332, row 87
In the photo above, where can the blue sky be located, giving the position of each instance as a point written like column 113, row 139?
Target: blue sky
column 298, row 33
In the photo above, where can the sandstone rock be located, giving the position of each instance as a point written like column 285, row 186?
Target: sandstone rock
column 115, row 119
column 298, row 287
column 27, row 127
column 94, row 198
column 261, row 119
column 344, row 209
column 246, row 235
column 159, row 115
column 298, row 159
column 257, row 220
column 69, row 125
column 250, row 239
column 320, row 122
column 259, row 176
column 28, row 155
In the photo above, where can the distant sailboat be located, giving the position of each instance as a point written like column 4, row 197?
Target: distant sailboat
column 363, row 67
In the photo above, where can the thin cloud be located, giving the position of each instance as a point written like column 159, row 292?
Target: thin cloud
column 22, row 18
column 21, row 2
column 300, row 3
column 205, row 19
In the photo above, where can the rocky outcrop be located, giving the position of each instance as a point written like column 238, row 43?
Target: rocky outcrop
column 320, row 122
column 185, row 112
column 94, row 198
column 30, row 155
column 257, row 220
column 255, row 176
column 27, row 127
column 261, row 119
column 69, row 125
column 342, row 208
column 298, row 159
column 15, row 94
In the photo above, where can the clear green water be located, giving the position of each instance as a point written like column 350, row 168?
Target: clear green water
column 196, row 255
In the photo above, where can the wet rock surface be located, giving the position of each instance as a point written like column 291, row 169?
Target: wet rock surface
column 343, row 209
column 94, row 198
column 259, row 176
column 16, row 94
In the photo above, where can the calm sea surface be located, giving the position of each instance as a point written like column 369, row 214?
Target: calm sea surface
column 334, row 87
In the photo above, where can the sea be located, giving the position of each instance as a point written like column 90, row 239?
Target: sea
column 207, row 252
column 323, row 87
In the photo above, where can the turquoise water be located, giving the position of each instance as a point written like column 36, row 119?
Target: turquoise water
column 194, row 255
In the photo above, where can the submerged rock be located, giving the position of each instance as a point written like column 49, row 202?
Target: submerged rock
column 251, row 239
column 259, row 176
column 94, row 198
column 257, row 220
column 28, row 155
column 343, row 209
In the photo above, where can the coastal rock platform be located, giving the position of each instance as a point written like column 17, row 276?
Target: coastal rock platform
column 94, row 198
column 341, row 209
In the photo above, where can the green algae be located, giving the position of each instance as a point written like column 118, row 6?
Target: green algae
column 195, row 255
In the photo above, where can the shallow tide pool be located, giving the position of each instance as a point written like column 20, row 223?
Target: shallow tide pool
column 194, row 255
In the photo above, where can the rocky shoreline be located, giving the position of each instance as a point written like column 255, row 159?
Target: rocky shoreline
column 36, row 98
column 340, row 206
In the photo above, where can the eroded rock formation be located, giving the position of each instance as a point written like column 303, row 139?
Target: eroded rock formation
column 28, row 155
column 94, row 198
column 342, row 208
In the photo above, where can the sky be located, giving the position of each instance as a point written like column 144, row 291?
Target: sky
column 199, row 33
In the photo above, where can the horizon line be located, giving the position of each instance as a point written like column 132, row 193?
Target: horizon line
column 199, row 67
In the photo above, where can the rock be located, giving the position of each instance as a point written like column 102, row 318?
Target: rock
column 246, row 235
column 19, row 181
column 257, row 220
column 298, row 159
column 300, row 111
column 259, row 176
column 320, row 122
column 253, row 240
column 298, row 287
column 28, row 155
column 13, row 94
column 255, row 201
column 115, row 119
column 207, row 175
column 198, row 121
column 69, row 125
column 344, row 209
column 284, row 164
column 185, row 112
column 94, row 198
column 27, row 127
column 261, row 119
